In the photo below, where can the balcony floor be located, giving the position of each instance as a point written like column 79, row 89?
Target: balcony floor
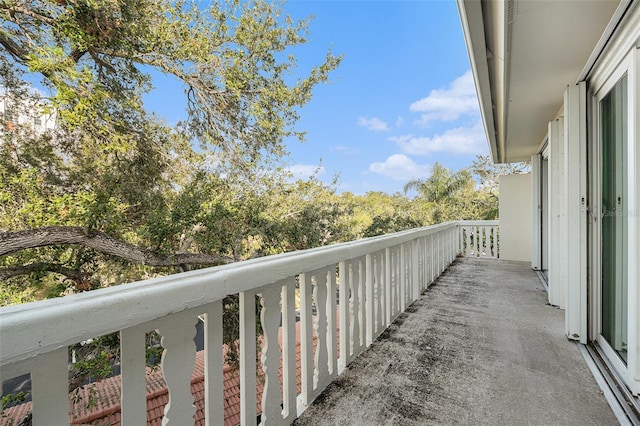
column 481, row 346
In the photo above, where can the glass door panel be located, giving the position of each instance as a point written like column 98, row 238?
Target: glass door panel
column 613, row 125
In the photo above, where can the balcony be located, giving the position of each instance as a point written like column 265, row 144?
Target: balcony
column 480, row 346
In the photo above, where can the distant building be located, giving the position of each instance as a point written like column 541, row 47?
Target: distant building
column 31, row 115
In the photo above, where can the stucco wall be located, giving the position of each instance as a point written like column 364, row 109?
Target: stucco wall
column 515, row 217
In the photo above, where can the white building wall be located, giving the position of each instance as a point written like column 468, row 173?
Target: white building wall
column 515, row 217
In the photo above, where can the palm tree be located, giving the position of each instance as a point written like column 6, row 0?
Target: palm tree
column 440, row 189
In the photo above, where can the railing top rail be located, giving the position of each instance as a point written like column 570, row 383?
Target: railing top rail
column 479, row 222
column 59, row 322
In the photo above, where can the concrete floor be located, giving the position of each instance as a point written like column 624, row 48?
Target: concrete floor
column 481, row 346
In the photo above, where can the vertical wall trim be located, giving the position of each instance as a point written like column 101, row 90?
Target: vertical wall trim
column 575, row 182
column 536, row 210
column 557, row 212
column 633, row 272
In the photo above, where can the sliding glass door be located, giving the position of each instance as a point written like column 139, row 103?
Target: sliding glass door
column 614, row 212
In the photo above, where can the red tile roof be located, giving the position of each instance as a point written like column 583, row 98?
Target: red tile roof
column 99, row 403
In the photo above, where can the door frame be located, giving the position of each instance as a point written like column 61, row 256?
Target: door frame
column 626, row 64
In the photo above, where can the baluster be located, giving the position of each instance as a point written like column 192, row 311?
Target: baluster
column 403, row 277
column 407, row 274
column 400, row 279
column 423, row 265
column 455, row 242
column 133, row 395
column 178, row 358
column 486, row 242
column 452, row 240
column 270, row 319
column 478, row 237
column 396, row 281
column 428, row 257
column 369, row 306
column 493, row 242
column 345, row 280
column 321, row 372
column 213, row 365
column 247, row 359
column 425, row 262
column 438, row 238
column 306, row 338
column 446, row 247
column 50, row 388
column 289, row 350
column 332, row 337
column 387, row 286
column 467, row 232
column 414, row 272
column 380, row 300
column 357, row 308
column 363, row 302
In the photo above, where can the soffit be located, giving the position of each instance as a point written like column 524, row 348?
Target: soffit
column 548, row 46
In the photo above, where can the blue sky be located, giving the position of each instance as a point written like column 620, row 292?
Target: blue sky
column 402, row 99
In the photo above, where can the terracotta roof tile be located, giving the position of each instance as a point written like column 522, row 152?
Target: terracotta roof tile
column 99, row 403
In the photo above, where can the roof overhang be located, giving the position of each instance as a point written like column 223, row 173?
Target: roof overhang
column 523, row 54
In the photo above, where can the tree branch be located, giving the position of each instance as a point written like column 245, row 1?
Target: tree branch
column 42, row 18
column 17, row 51
column 11, row 242
column 73, row 274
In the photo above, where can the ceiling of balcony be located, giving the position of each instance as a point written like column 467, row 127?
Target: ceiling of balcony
column 524, row 53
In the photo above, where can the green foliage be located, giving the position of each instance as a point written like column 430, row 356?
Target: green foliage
column 233, row 58
column 109, row 166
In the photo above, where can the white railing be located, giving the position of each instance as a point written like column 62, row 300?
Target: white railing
column 352, row 290
column 479, row 238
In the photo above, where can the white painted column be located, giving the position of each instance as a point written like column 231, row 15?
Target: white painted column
column 575, row 182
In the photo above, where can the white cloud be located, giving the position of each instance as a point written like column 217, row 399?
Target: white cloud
column 346, row 150
column 400, row 167
column 449, row 104
column 461, row 140
column 374, row 124
column 399, row 121
column 305, row 171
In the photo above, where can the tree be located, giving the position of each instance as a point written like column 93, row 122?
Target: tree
column 95, row 57
column 439, row 191
column 487, row 174
column 112, row 187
